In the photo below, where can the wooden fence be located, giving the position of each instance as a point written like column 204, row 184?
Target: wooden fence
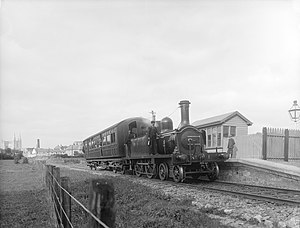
column 101, row 200
column 272, row 143
column 281, row 144
column 249, row 146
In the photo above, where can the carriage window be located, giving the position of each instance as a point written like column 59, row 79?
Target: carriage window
column 113, row 137
column 104, row 142
column 108, row 139
column 133, row 127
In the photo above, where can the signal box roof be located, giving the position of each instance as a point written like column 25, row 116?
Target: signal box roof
column 220, row 119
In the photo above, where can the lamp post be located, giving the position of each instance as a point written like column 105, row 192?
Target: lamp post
column 295, row 112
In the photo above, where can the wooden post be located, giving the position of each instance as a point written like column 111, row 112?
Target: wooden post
column 264, row 143
column 286, row 145
column 47, row 176
column 101, row 202
column 65, row 202
column 56, row 192
column 51, row 181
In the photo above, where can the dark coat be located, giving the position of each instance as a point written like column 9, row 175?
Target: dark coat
column 231, row 143
column 152, row 132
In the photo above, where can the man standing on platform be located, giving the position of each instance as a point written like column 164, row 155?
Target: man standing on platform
column 230, row 147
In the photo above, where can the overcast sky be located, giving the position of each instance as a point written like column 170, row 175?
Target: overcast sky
column 71, row 68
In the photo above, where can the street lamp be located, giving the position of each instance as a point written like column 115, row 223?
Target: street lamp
column 295, row 112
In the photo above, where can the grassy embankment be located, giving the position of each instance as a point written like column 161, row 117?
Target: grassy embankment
column 139, row 206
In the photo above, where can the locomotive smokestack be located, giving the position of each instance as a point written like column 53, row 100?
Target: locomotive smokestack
column 185, row 116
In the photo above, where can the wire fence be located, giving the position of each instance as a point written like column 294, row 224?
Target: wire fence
column 101, row 200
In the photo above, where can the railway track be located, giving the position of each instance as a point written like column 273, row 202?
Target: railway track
column 256, row 192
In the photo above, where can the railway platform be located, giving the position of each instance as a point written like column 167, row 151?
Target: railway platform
column 291, row 168
column 275, row 173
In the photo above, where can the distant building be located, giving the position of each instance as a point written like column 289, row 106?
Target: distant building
column 61, row 149
column 6, row 144
column 74, row 149
column 219, row 128
column 15, row 144
column 29, row 153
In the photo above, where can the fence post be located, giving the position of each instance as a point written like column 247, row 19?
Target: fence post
column 47, row 176
column 65, row 202
column 264, row 143
column 51, row 181
column 56, row 182
column 286, row 145
column 101, row 202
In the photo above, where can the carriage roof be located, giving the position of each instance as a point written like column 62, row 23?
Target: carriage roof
column 125, row 121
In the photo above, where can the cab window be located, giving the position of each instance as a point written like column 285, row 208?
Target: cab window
column 133, row 127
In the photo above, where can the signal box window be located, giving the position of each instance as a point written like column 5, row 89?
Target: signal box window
column 209, row 137
column 229, row 130
column 219, row 136
column 214, row 136
column 232, row 131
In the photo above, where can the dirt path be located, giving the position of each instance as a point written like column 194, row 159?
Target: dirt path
column 23, row 197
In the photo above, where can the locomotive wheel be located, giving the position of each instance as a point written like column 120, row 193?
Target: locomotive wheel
column 151, row 170
column 214, row 168
column 178, row 174
column 163, row 171
column 138, row 170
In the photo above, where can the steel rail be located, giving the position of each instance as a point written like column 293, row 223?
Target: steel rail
column 259, row 186
column 256, row 196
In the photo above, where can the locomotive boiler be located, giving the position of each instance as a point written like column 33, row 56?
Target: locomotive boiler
column 180, row 152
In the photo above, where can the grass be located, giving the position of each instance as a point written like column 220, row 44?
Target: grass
column 23, row 197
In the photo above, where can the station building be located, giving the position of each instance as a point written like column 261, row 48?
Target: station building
column 220, row 128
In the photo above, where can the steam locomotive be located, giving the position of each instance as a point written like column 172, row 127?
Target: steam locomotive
column 180, row 152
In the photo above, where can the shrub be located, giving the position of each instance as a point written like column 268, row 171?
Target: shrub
column 25, row 160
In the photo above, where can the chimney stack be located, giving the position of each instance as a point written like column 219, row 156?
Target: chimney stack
column 38, row 144
column 185, row 116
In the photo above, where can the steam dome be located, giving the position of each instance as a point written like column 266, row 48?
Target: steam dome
column 166, row 124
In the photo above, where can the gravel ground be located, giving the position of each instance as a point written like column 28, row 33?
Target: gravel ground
column 233, row 211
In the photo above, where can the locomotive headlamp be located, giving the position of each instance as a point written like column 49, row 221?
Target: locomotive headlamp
column 295, row 112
